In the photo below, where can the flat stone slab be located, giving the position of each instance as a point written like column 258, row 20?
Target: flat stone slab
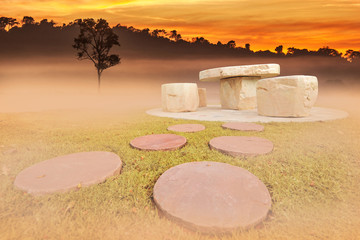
column 259, row 70
column 241, row 126
column 186, row 128
column 216, row 113
column 241, row 146
column 212, row 197
column 158, row 142
column 68, row 172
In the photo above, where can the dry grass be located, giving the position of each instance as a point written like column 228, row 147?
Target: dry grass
column 312, row 175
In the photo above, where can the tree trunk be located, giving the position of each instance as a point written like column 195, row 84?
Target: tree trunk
column 99, row 76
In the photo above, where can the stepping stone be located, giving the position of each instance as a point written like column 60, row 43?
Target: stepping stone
column 238, row 83
column 259, row 70
column 242, row 126
column 288, row 96
column 212, row 197
column 158, row 142
column 241, row 146
column 68, row 172
column 186, row 128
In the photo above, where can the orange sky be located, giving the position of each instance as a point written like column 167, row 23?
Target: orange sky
column 264, row 24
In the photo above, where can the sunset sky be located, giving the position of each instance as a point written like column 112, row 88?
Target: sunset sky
column 264, row 24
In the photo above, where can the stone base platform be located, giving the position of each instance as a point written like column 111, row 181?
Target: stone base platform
column 216, row 113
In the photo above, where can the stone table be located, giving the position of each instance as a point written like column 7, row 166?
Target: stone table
column 238, row 83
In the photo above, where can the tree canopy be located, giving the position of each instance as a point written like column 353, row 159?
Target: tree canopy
column 94, row 43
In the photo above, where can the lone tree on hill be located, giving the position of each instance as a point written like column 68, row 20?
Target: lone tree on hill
column 94, row 43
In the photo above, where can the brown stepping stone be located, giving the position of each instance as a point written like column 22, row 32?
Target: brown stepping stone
column 212, row 197
column 64, row 173
column 242, row 126
column 240, row 145
column 158, row 142
column 186, row 128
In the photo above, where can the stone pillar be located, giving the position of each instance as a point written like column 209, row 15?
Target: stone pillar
column 202, row 97
column 238, row 93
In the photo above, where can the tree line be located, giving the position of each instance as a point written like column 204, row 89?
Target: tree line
column 8, row 24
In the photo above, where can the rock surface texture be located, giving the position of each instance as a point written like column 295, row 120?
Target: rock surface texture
column 179, row 97
column 212, row 197
column 238, row 93
column 64, row 173
column 260, row 70
column 238, row 146
column 288, row 96
column 158, row 142
column 202, row 97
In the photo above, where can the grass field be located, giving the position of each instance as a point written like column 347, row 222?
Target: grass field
column 313, row 177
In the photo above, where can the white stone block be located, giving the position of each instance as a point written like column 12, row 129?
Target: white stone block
column 179, row 97
column 260, row 70
column 238, row 93
column 202, row 97
column 288, row 96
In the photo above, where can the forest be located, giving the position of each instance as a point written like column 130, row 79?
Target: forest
column 28, row 37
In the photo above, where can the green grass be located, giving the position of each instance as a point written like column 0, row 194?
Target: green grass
column 312, row 175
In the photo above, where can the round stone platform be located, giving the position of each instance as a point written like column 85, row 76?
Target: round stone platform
column 68, row 172
column 189, row 128
column 216, row 113
column 241, row 146
column 158, row 142
column 212, row 197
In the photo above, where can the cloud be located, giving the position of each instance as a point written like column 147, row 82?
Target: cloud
column 262, row 23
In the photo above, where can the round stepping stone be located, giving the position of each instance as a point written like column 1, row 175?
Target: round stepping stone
column 158, row 142
column 241, row 145
column 212, row 197
column 68, row 172
column 243, row 126
column 186, row 128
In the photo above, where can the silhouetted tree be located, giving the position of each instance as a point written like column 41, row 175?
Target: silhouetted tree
column 28, row 20
column 45, row 22
column 174, row 35
column 146, row 31
column 326, row 51
column 291, row 51
column 279, row 50
column 158, row 33
column 94, row 43
column 231, row 44
column 200, row 40
column 351, row 55
column 247, row 46
column 7, row 22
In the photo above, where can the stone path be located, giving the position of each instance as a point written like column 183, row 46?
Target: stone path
column 240, row 126
column 158, row 142
column 64, row 173
column 216, row 113
column 190, row 128
column 212, row 197
column 241, row 146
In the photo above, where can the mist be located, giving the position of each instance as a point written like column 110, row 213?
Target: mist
column 63, row 82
